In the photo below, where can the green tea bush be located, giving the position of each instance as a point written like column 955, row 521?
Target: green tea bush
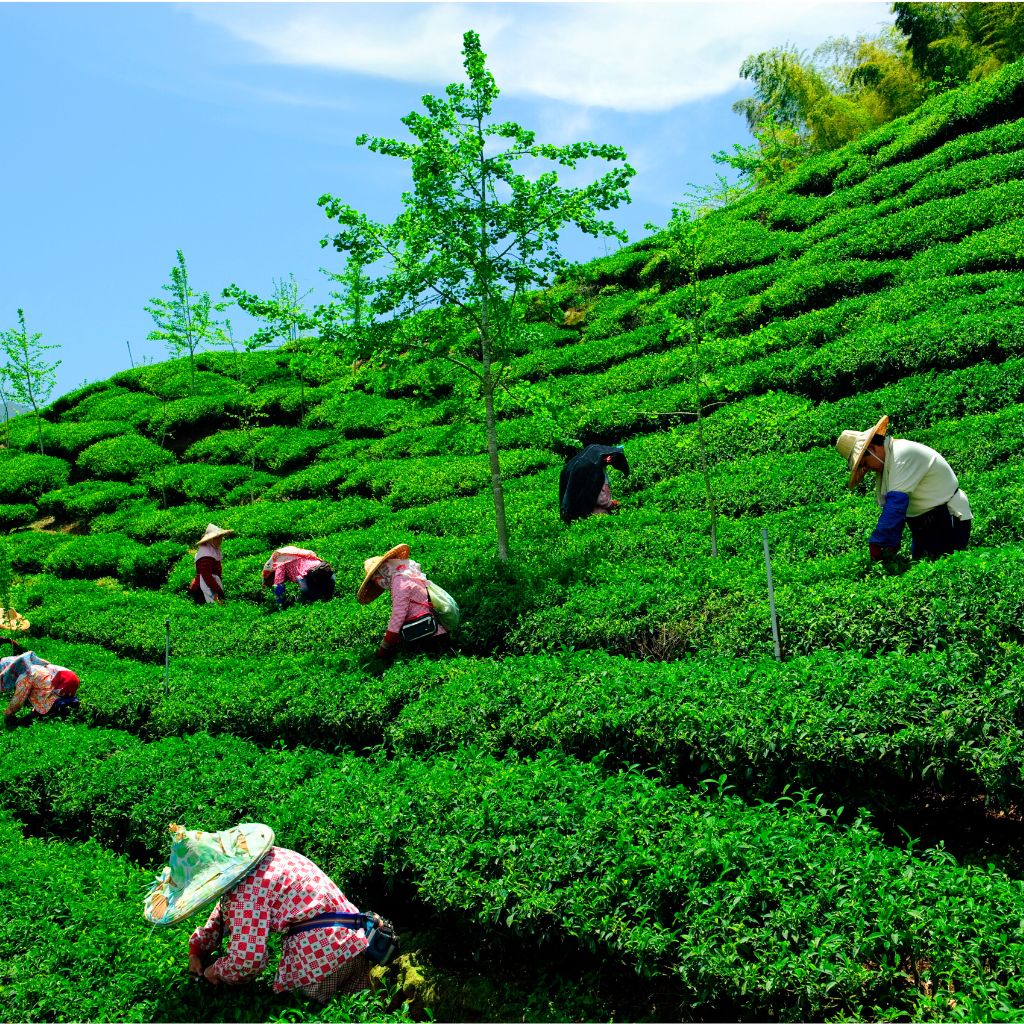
column 65, row 438
column 149, row 565
column 758, row 885
column 198, row 482
column 30, row 548
column 90, row 556
column 115, row 404
column 24, row 477
column 12, row 516
column 144, row 521
column 123, row 458
column 272, row 448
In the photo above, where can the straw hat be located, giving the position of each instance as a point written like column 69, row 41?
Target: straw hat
column 853, row 444
column 10, row 619
column 203, row 866
column 215, row 533
column 368, row 590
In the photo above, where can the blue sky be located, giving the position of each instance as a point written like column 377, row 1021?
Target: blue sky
column 133, row 130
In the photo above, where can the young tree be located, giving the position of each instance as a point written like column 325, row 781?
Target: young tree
column 474, row 232
column 185, row 321
column 30, row 377
column 689, row 235
column 286, row 321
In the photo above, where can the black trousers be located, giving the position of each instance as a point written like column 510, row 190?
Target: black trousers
column 935, row 533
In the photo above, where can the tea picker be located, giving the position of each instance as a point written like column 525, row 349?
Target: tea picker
column 583, row 487
column 314, row 576
column 328, row 947
column 207, row 586
column 50, row 690
column 915, row 485
column 422, row 614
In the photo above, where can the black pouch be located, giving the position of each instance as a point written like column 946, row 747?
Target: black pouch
column 381, row 941
column 419, row 628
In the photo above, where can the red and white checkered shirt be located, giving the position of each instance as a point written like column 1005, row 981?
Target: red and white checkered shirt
column 285, row 889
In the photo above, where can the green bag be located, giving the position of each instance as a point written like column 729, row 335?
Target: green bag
column 445, row 608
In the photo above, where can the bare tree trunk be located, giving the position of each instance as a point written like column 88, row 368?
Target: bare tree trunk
column 488, row 380
column 492, row 454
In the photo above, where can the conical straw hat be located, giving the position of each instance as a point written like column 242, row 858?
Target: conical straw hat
column 215, row 533
column 368, row 590
column 10, row 619
column 203, row 866
column 853, row 445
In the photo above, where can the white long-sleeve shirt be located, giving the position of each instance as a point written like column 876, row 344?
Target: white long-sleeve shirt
column 923, row 475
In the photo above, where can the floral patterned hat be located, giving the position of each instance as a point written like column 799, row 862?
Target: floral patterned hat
column 203, row 866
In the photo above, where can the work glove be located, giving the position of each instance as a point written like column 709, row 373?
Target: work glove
column 879, row 553
column 385, row 652
column 10, row 722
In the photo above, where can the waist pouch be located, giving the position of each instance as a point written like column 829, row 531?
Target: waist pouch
column 419, row 628
column 381, row 938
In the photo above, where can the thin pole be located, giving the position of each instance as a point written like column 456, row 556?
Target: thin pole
column 771, row 596
column 167, row 657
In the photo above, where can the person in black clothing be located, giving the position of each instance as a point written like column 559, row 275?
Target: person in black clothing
column 583, row 488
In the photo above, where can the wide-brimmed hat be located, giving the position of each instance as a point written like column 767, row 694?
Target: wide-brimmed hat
column 203, row 866
column 215, row 533
column 853, row 444
column 10, row 619
column 368, row 590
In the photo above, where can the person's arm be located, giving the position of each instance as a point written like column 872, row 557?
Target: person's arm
column 22, row 688
column 279, row 582
column 206, row 939
column 889, row 529
column 400, row 595
column 247, row 950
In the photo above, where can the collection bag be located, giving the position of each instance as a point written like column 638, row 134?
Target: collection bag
column 445, row 608
column 419, row 628
column 381, row 938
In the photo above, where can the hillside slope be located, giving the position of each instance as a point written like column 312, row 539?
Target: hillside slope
column 613, row 803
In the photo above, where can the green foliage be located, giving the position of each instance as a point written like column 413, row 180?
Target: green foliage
column 87, row 499
column 28, row 376
column 17, row 515
column 608, row 670
column 475, row 231
column 24, row 477
column 185, row 321
column 123, row 458
column 64, row 438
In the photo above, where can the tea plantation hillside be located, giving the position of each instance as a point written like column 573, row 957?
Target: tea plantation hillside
column 614, row 803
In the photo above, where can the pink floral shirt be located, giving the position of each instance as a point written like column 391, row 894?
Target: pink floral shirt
column 409, row 600
column 285, row 889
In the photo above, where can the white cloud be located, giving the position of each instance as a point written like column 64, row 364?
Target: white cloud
column 618, row 56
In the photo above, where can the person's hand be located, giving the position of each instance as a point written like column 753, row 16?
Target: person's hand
column 210, row 975
column 10, row 722
column 613, row 505
column 195, row 964
column 385, row 652
column 879, row 553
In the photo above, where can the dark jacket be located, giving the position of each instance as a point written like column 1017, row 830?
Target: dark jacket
column 582, row 478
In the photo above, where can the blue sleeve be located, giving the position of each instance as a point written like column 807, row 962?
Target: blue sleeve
column 279, row 592
column 889, row 531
